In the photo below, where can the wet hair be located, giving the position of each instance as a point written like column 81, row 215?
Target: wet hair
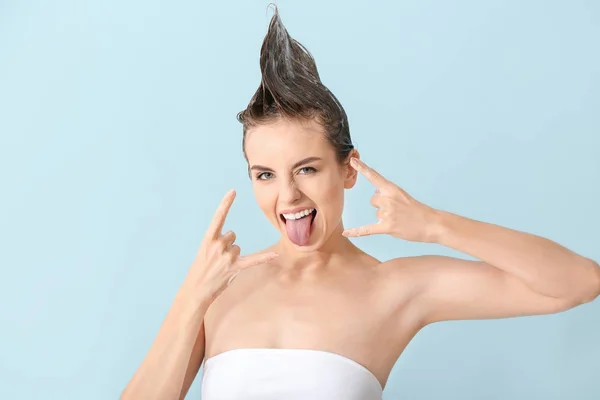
column 291, row 88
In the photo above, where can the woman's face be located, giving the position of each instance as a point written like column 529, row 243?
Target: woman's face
column 293, row 167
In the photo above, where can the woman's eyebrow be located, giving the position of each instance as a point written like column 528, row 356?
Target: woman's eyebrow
column 296, row 165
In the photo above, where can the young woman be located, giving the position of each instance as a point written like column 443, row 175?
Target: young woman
column 313, row 316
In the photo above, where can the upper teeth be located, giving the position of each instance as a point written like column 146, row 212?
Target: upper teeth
column 298, row 214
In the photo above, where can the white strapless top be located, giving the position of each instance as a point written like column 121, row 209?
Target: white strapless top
column 286, row 374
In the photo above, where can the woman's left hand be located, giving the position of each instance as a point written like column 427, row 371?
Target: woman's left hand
column 398, row 213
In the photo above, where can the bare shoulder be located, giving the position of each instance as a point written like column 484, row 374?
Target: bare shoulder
column 241, row 279
column 411, row 270
column 404, row 278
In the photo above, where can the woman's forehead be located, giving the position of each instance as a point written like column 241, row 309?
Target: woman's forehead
column 284, row 140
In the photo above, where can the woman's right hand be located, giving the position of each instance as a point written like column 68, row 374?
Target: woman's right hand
column 218, row 258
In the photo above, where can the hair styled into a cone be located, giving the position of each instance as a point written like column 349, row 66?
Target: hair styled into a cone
column 291, row 88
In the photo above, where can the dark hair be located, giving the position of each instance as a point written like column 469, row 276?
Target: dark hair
column 290, row 87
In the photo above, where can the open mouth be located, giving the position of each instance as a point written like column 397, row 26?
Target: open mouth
column 312, row 215
column 299, row 231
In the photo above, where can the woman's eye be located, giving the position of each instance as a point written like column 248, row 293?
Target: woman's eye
column 309, row 168
column 261, row 175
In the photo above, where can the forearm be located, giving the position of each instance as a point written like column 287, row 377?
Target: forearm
column 162, row 372
column 543, row 265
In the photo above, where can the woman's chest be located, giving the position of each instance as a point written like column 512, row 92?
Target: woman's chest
column 352, row 317
column 347, row 313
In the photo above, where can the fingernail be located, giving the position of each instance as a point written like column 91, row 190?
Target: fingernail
column 345, row 233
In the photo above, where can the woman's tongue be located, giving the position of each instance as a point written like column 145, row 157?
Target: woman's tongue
column 298, row 230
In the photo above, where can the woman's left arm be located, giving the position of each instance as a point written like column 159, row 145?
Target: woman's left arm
column 541, row 264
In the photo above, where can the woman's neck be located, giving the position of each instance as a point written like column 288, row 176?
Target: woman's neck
column 333, row 253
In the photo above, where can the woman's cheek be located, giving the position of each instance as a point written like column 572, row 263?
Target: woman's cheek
column 333, row 197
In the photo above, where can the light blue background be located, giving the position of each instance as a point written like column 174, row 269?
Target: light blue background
column 119, row 138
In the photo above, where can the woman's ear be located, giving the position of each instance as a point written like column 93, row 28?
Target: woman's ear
column 350, row 173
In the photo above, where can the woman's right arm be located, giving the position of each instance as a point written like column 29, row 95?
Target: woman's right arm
column 174, row 358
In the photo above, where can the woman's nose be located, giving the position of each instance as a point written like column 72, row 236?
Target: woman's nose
column 289, row 192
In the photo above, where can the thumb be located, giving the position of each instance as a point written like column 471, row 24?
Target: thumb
column 244, row 262
column 364, row 230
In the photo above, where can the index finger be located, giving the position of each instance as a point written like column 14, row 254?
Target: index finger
column 216, row 225
column 373, row 176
